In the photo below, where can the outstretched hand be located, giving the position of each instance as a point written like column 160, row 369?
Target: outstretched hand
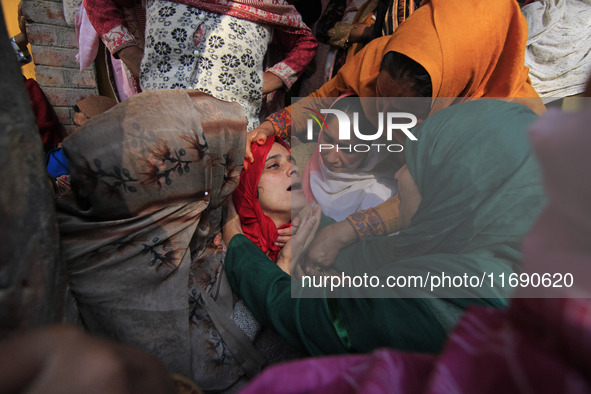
column 291, row 256
column 260, row 135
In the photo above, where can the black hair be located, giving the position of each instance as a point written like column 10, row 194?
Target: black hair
column 402, row 67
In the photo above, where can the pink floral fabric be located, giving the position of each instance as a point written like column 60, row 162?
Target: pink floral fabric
column 118, row 38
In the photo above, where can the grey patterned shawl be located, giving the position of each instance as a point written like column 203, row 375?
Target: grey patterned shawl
column 148, row 180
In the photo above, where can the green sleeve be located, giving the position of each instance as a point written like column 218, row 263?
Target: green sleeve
column 305, row 323
column 407, row 324
column 333, row 325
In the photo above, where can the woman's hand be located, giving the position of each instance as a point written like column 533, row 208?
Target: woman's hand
column 132, row 57
column 271, row 82
column 286, row 233
column 361, row 33
column 326, row 245
column 342, row 35
column 283, row 237
column 260, row 135
column 339, row 34
column 296, row 220
column 231, row 224
column 290, row 257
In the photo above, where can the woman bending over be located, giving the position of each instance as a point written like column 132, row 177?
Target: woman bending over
column 468, row 194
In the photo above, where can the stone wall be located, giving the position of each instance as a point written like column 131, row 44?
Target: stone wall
column 54, row 48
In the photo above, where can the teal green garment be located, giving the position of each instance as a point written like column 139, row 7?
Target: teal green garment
column 309, row 324
column 481, row 192
column 266, row 289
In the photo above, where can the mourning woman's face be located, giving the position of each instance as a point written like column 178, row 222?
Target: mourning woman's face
column 280, row 186
column 339, row 160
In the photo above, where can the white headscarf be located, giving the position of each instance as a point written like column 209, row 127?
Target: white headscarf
column 342, row 194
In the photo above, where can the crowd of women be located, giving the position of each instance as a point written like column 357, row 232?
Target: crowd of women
column 190, row 225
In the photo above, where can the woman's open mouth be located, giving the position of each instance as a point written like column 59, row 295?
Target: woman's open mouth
column 294, row 187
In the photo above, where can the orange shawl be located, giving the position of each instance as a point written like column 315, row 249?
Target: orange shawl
column 469, row 48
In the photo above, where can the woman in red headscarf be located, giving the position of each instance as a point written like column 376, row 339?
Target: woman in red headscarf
column 267, row 195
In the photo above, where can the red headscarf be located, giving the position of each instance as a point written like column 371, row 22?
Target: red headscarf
column 257, row 226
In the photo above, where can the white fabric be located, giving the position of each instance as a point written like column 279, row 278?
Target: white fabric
column 341, row 194
column 88, row 39
column 559, row 46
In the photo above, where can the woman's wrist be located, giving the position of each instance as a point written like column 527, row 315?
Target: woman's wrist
column 359, row 33
column 268, row 128
column 346, row 233
column 271, row 82
column 350, row 38
column 231, row 225
column 228, row 234
column 278, row 123
column 131, row 56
